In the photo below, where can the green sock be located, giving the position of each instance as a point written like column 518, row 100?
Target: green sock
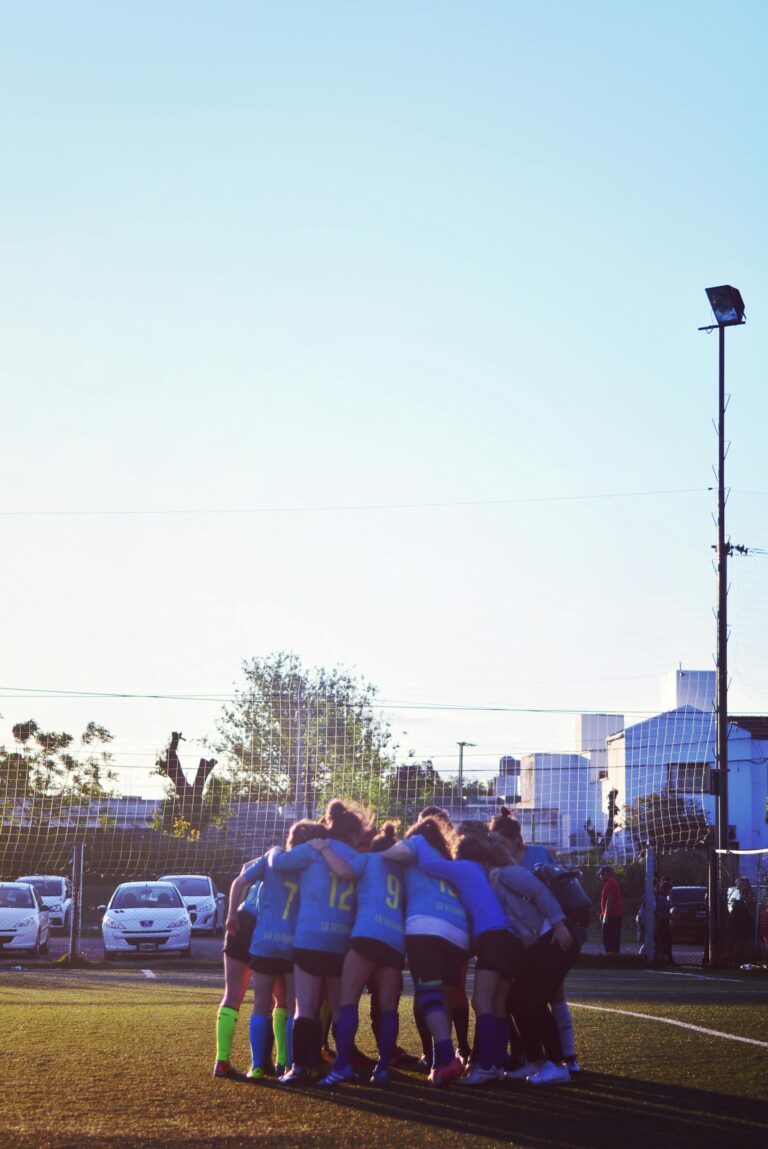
column 226, row 1022
column 279, row 1018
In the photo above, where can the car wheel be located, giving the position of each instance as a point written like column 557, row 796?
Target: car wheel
column 35, row 951
column 109, row 955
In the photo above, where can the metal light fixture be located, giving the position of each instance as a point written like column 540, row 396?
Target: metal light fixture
column 727, row 304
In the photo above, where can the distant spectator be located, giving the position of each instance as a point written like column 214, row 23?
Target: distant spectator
column 611, row 910
column 664, row 923
column 741, row 904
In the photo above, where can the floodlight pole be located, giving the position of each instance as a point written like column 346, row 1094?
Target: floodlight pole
column 722, row 611
column 728, row 307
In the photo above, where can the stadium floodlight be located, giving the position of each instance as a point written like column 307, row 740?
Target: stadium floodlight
column 727, row 305
column 728, row 308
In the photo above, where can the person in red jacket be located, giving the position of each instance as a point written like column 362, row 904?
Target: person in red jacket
column 611, row 911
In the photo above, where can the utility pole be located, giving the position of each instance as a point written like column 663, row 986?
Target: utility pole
column 461, row 746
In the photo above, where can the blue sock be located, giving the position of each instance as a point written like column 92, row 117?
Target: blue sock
column 261, row 1027
column 502, row 1041
column 389, row 1025
column 346, row 1028
column 289, row 1041
column 443, row 1052
column 485, row 1032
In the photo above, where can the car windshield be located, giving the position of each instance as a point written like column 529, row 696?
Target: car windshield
column 682, row 895
column 146, row 898
column 191, row 887
column 16, row 899
column 46, row 887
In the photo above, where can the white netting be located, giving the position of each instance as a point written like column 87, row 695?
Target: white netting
column 548, row 678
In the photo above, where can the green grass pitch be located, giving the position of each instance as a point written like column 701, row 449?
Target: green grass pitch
column 113, row 1059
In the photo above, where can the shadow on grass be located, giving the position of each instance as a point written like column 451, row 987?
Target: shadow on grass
column 598, row 1111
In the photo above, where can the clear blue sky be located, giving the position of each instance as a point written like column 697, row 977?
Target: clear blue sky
column 277, row 279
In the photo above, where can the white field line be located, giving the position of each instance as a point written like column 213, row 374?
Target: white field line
column 148, row 973
column 697, row 976
column 672, row 1021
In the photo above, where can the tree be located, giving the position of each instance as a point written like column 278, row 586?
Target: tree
column 601, row 842
column 189, row 807
column 666, row 821
column 299, row 736
column 41, row 776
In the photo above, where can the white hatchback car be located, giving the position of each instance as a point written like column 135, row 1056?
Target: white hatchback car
column 145, row 917
column 206, row 906
column 56, row 895
column 24, row 922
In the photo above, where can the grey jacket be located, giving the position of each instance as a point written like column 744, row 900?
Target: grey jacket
column 531, row 908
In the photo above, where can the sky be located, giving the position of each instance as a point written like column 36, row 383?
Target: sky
column 369, row 331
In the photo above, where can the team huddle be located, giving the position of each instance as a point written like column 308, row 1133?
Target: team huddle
column 345, row 906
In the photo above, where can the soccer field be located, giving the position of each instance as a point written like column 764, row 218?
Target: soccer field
column 119, row 1058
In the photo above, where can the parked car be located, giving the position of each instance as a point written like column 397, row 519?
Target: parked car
column 24, row 922
column 145, row 917
column 56, row 896
column 688, row 913
column 206, row 906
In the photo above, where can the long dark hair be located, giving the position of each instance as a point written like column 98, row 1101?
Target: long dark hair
column 304, row 830
column 344, row 822
column 385, row 838
column 470, row 848
column 506, row 825
column 436, row 832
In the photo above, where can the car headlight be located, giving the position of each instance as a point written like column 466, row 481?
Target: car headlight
column 27, row 922
column 113, row 925
column 178, row 923
column 56, row 909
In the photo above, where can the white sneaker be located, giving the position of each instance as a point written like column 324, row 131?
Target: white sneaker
column 550, row 1074
column 523, row 1072
column 480, row 1076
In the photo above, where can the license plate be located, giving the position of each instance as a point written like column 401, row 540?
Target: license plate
column 147, row 947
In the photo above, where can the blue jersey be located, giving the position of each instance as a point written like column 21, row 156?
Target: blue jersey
column 432, row 904
column 477, row 895
column 249, row 901
column 534, row 855
column 327, row 903
column 277, row 906
column 381, row 903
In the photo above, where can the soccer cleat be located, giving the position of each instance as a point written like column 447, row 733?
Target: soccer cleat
column 255, row 1073
column 445, row 1074
column 224, row 1069
column 480, row 1076
column 296, row 1075
column 360, row 1060
column 425, row 1063
column 523, row 1072
column 550, row 1074
column 573, row 1064
column 381, row 1075
column 402, row 1057
column 279, row 1070
column 343, row 1076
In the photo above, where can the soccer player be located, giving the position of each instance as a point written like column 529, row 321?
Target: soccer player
column 327, row 871
column 241, row 920
column 271, row 950
column 496, row 949
column 376, row 954
column 508, row 830
column 436, row 938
